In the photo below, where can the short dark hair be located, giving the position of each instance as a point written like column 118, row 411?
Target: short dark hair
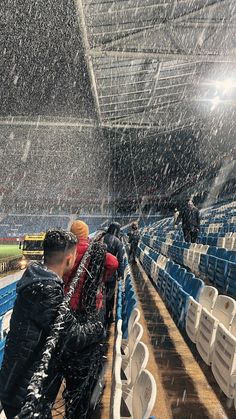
column 57, row 242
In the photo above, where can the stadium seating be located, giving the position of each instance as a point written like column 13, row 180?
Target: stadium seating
column 133, row 387
column 223, row 312
column 206, row 300
column 178, row 270
column 224, row 358
column 16, row 225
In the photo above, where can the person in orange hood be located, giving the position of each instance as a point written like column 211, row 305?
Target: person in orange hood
column 81, row 371
column 81, row 231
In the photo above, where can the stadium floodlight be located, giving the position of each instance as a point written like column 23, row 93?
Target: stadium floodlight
column 225, row 86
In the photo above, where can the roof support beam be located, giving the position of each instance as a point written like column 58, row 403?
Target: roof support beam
column 83, row 29
column 164, row 56
column 170, row 20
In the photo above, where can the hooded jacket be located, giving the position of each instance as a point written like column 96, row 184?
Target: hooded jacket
column 39, row 295
column 190, row 218
column 114, row 245
column 111, row 265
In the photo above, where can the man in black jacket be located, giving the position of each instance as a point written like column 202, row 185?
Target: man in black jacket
column 39, row 296
column 134, row 237
column 116, row 248
column 190, row 218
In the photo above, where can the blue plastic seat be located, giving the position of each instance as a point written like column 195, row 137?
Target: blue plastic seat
column 191, row 287
column 2, row 346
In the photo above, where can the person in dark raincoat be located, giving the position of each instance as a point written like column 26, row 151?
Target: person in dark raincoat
column 190, row 217
column 39, row 296
column 134, row 237
column 116, row 248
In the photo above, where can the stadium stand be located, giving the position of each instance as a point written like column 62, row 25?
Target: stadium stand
column 189, row 277
column 15, row 225
column 133, row 386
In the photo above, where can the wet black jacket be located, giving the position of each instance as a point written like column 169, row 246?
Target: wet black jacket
column 115, row 247
column 190, row 219
column 39, row 295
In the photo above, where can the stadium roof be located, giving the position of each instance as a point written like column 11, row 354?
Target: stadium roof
column 152, row 63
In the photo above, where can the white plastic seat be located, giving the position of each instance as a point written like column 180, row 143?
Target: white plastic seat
column 135, row 336
column 137, row 363
column 141, row 402
column 162, row 261
column 207, row 300
column 6, row 324
column 201, row 249
column 229, row 242
column 119, row 327
column 116, row 405
column 221, row 242
column 190, row 257
column 153, row 269
column 223, row 312
column 134, row 318
column 185, row 257
column 224, row 359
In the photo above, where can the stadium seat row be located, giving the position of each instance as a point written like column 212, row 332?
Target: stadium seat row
column 133, row 386
column 216, row 265
column 209, row 318
column 173, row 282
column 211, row 324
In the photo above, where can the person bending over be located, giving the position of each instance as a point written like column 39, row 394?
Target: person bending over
column 39, row 296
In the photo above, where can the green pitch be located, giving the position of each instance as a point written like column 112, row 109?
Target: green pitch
column 9, row 250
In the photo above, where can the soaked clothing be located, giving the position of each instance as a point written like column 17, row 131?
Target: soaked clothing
column 82, row 369
column 110, row 267
column 39, row 296
column 115, row 247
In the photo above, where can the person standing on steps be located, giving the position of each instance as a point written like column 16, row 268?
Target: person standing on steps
column 134, row 237
column 190, row 217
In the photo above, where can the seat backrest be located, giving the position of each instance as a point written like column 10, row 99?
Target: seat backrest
column 144, row 396
column 208, row 297
column 193, row 285
column 134, row 318
column 233, row 326
column 180, row 275
column 138, row 361
column 135, row 336
column 6, row 322
column 212, row 250
column 224, row 310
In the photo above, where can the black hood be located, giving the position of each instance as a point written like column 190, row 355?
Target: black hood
column 36, row 272
column 114, row 229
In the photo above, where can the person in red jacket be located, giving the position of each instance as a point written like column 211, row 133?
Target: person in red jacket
column 82, row 371
column 81, row 231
